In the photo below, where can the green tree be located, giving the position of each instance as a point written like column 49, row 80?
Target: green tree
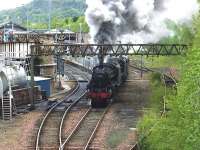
column 182, row 33
column 179, row 130
column 75, row 24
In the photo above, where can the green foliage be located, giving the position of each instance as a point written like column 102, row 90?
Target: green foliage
column 38, row 11
column 165, row 61
column 67, row 23
column 38, row 26
column 157, row 92
column 75, row 23
column 145, row 126
column 180, row 130
column 181, row 33
column 115, row 138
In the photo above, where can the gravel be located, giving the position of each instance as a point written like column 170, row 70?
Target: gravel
column 16, row 133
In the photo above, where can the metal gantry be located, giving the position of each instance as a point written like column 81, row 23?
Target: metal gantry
column 108, row 49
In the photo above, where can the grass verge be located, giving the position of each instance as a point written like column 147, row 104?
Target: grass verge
column 116, row 137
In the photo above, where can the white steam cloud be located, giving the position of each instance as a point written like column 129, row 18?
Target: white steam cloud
column 136, row 21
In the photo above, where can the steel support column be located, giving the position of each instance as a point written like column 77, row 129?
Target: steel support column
column 32, row 80
column 141, row 61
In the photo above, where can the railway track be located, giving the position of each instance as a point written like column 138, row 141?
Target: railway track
column 83, row 134
column 47, row 137
column 166, row 76
column 48, row 132
column 75, row 73
column 86, row 124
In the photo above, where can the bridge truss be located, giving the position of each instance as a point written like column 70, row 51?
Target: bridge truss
column 108, row 49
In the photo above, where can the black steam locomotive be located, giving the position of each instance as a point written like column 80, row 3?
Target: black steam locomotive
column 106, row 78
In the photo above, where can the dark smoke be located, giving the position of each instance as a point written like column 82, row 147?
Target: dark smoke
column 159, row 5
column 106, row 33
column 135, row 20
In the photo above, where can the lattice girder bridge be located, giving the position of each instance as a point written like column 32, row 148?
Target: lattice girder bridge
column 108, row 49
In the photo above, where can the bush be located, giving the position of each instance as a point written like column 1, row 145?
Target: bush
column 180, row 129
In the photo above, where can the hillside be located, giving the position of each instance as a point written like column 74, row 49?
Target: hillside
column 38, row 10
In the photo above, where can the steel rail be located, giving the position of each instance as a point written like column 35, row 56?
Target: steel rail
column 146, row 69
column 83, row 74
column 48, row 113
column 75, row 129
column 96, row 128
column 135, row 147
column 79, row 124
column 51, row 110
column 65, row 114
column 75, row 91
column 72, row 68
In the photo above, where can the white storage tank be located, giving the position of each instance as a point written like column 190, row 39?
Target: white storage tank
column 15, row 74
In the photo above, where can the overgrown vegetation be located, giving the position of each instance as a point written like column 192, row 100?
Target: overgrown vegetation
column 115, row 138
column 38, row 10
column 165, row 61
column 179, row 128
column 157, row 93
column 76, row 24
column 64, row 14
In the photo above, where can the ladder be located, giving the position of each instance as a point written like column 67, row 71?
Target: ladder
column 7, row 107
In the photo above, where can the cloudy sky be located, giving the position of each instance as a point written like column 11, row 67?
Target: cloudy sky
column 8, row 4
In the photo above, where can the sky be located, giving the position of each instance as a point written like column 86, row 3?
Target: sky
column 9, row 4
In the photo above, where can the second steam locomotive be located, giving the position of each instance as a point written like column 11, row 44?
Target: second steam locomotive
column 106, row 77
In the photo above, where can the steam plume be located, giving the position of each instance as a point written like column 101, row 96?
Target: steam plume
column 136, row 21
